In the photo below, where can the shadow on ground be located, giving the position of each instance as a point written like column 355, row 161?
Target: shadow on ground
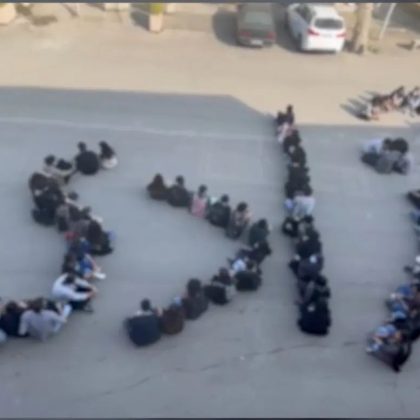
column 224, row 26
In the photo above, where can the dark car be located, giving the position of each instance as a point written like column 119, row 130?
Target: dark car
column 255, row 25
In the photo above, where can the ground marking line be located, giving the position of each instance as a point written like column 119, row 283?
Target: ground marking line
column 140, row 129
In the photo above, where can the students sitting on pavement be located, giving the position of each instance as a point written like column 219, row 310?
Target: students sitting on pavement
column 99, row 240
column 221, row 289
column 157, row 189
column 376, row 146
column 178, row 195
column 87, row 161
column 404, row 164
column 172, row 319
column 292, row 139
column 315, row 317
column 258, row 232
column 303, row 204
column 248, row 279
column 10, row 315
column 199, row 202
column 88, row 269
column 239, row 220
column 194, row 302
column 257, row 253
column 144, row 327
column 61, row 170
column 75, row 291
column 39, row 322
column 284, row 122
column 107, row 156
column 219, row 212
column 313, row 289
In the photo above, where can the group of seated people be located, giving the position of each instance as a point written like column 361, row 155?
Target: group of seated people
column 244, row 272
column 217, row 211
column 399, row 99
column 388, row 155
column 392, row 341
column 85, row 236
column 308, row 261
column 285, row 122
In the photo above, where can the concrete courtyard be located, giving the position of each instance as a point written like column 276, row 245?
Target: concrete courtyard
column 167, row 108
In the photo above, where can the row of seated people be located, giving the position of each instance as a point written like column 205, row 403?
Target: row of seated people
column 308, row 261
column 217, row 211
column 86, row 162
column 148, row 324
column 399, row 99
column 392, row 341
column 388, row 155
column 41, row 318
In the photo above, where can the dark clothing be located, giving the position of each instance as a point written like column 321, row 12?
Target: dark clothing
column 308, row 247
column 143, row 329
column 290, row 227
column 257, row 234
column 9, row 323
column 298, row 156
column 414, row 197
column 195, row 306
column 247, row 280
column 98, row 239
column 178, row 196
column 236, row 225
column 157, row 191
column 219, row 214
column 314, row 319
column 172, row 320
column 292, row 139
column 88, row 163
column 259, row 252
column 220, row 290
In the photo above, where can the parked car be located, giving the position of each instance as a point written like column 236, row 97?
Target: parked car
column 255, row 25
column 316, row 27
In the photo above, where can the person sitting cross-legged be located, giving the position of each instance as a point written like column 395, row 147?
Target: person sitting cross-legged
column 178, row 195
column 221, row 289
column 87, row 161
column 75, row 291
column 219, row 212
column 107, row 156
column 194, row 302
column 172, row 319
column 157, row 189
column 143, row 328
column 248, row 279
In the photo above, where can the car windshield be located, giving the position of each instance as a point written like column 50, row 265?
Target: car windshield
column 257, row 19
column 328, row 23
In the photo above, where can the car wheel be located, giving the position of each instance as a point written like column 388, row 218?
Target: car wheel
column 299, row 43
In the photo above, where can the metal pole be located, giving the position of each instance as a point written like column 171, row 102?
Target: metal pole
column 387, row 20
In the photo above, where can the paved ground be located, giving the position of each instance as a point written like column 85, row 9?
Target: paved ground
column 188, row 104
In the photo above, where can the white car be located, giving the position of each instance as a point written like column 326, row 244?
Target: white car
column 316, row 27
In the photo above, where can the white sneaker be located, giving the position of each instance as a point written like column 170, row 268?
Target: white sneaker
column 99, row 275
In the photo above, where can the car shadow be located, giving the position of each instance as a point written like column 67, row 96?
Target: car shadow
column 140, row 15
column 224, row 24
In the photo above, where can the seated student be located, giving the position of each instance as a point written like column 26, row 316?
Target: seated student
column 387, row 161
column 258, row 232
column 399, row 144
column 221, row 289
column 315, row 318
column 199, row 202
column 10, row 316
column 107, row 156
column 308, row 243
column 414, row 197
column 397, row 97
column 308, row 267
column 404, row 164
column 285, row 123
column 87, row 269
column 373, row 109
column 40, row 322
column 219, row 212
column 99, row 239
column 87, row 161
column 194, row 302
column 390, row 345
column 313, row 289
column 75, row 291
column 60, row 169
column 248, row 279
column 46, row 202
column 296, row 156
column 144, row 327
column 178, row 195
column 157, row 188
column 239, row 220
column 292, row 139
column 172, row 319
column 303, row 204
column 257, row 253
column 39, row 181
column 376, row 146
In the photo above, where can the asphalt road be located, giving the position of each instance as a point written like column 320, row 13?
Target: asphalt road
column 247, row 359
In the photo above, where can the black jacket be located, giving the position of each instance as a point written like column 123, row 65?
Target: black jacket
column 143, row 329
column 87, row 163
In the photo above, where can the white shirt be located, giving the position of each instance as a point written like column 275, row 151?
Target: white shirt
column 67, row 292
column 373, row 146
column 40, row 325
column 303, row 206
